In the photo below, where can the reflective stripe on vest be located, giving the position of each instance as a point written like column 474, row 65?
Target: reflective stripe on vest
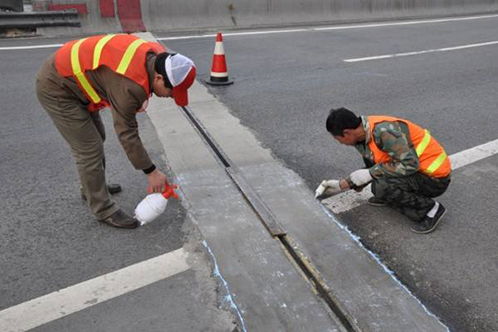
column 421, row 148
column 80, row 76
column 98, row 50
column 130, row 52
column 123, row 64
column 433, row 159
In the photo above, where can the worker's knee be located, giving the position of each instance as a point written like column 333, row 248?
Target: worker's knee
column 87, row 153
column 380, row 188
column 386, row 190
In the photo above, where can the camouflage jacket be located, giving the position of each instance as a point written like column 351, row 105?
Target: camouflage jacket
column 394, row 139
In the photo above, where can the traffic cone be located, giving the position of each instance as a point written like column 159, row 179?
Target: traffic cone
column 219, row 71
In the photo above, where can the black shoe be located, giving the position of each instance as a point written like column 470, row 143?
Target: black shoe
column 429, row 224
column 120, row 219
column 113, row 188
column 375, row 201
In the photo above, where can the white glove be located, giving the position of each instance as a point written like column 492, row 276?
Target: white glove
column 327, row 188
column 360, row 177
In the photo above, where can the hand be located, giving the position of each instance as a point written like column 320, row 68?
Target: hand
column 360, row 177
column 157, row 181
column 327, row 189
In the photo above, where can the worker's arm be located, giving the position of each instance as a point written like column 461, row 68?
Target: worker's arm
column 126, row 98
column 394, row 139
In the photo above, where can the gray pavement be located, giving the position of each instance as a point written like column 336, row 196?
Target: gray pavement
column 286, row 83
column 50, row 240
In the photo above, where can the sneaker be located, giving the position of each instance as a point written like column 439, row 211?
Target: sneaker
column 375, row 201
column 120, row 219
column 429, row 224
column 113, row 188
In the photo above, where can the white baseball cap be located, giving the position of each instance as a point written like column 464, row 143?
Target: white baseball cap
column 181, row 73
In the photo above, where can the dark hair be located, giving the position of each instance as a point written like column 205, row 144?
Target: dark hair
column 340, row 119
column 160, row 68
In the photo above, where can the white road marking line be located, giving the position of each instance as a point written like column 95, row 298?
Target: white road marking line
column 228, row 34
column 30, row 314
column 29, row 47
column 351, row 199
column 265, row 32
column 339, row 27
column 396, row 55
column 377, row 25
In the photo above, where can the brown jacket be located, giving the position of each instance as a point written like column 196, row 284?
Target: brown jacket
column 124, row 95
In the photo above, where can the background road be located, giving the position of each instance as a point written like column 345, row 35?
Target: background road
column 49, row 239
column 285, row 84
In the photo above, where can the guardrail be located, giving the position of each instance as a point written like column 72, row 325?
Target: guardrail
column 15, row 5
column 37, row 20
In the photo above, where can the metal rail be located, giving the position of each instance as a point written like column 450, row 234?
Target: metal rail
column 39, row 20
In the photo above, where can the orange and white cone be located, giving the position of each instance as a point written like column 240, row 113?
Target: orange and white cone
column 219, row 71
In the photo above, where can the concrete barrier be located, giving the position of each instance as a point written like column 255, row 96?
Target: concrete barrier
column 161, row 15
column 180, row 15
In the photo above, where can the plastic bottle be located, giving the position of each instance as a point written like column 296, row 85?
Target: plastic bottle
column 153, row 205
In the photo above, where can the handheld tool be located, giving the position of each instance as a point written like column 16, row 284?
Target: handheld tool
column 153, row 205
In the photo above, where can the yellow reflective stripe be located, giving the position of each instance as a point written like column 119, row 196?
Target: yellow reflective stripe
column 98, row 50
column 436, row 163
column 75, row 64
column 423, row 145
column 130, row 52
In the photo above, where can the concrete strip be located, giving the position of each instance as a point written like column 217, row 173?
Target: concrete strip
column 351, row 199
column 258, row 274
column 28, row 315
column 397, row 55
column 373, row 300
column 250, row 263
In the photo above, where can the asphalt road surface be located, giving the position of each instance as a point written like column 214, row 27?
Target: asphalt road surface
column 50, row 240
column 285, row 84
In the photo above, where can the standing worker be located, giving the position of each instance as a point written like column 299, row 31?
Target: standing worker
column 405, row 163
column 121, row 72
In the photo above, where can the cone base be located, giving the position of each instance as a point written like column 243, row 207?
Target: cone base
column 218, row 81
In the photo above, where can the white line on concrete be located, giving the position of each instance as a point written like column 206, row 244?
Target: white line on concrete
column 396, row 55
column 28, row 315
column 351, row 199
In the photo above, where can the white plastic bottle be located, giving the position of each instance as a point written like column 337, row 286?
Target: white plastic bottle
column 153, row 205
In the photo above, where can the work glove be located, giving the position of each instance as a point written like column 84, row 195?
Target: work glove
column 360, row 177
column 327, row 189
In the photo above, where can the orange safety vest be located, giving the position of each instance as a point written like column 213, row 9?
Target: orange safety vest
column 124, row 54
column 433, row 160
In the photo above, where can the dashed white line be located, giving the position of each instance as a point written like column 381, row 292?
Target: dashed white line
column 351, row 199
column 338, row 27
column 28, row 315
column 13, row 48
column 265, row 32
column 445, row 49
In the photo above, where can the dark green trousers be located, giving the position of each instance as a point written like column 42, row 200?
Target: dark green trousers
column 411, row 195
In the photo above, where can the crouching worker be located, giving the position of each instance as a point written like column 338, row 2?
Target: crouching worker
column 120, row 72
column 405, row 164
